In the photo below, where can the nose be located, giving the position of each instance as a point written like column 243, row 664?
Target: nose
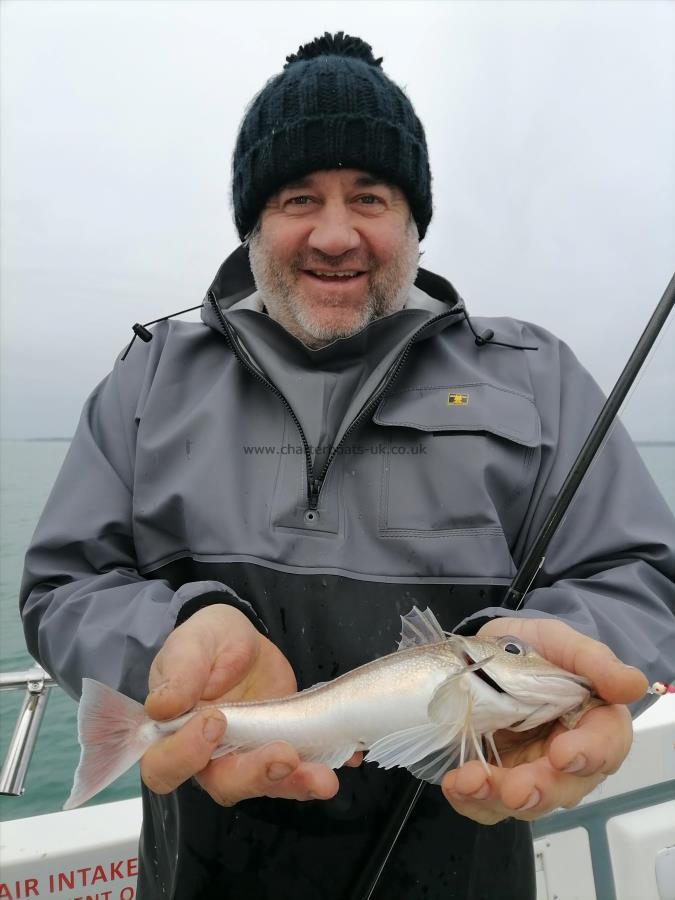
column 333, row 232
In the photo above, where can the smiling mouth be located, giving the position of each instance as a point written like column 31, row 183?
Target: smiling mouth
column 347, row 277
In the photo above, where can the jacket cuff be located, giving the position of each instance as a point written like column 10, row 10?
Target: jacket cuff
column 199, row 595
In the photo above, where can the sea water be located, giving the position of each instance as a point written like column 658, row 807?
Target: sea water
column 27, row 472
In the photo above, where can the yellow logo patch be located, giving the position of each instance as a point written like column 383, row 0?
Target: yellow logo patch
column 455, row 399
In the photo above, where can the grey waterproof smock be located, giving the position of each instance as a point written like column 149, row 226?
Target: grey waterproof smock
column 324, row 492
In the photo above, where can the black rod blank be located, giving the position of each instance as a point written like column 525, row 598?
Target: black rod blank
column 536, row 555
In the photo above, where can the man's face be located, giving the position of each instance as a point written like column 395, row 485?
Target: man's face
column 334, row 221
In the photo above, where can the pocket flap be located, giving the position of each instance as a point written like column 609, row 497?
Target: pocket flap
column 463, row 408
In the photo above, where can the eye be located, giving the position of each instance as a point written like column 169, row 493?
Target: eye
column 302, row 200
column 514, row 645
column 370, row 199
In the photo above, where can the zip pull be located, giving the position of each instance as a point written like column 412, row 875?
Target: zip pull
column 314, row 487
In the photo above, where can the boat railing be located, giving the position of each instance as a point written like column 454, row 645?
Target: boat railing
column 35, row 683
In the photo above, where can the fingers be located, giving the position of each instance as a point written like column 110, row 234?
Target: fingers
column 599, row 743
column 525, row 792
column 271, row 771
column 574, row 763
column 274, row 770
column 205, row 655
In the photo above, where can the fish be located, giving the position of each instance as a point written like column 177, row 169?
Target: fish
column 432, row 705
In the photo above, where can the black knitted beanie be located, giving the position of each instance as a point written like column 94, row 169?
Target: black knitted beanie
column 331, row 107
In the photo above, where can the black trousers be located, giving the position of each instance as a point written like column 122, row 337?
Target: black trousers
column 193, row 849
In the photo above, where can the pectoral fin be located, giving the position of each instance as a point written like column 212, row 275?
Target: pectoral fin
column 413, row 746
column 428, row 751
column 433, row 767
column 451, row 700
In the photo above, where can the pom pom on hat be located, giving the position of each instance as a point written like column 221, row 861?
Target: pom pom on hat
column 339, row 44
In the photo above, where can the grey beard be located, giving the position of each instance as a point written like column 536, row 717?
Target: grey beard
column 388, row 290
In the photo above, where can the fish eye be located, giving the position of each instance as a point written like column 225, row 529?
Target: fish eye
column 510, row 644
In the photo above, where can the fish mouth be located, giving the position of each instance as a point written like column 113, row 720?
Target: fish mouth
column 482, row 674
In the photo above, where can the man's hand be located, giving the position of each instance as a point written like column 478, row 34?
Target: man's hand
column 216, row 656
column 552, row 766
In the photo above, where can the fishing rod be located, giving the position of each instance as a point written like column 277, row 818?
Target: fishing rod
column 369, row 878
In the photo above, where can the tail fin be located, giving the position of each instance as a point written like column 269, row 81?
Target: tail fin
column 112, row 738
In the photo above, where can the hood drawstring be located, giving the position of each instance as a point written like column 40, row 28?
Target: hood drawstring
column 487, row 337
column 141, row 331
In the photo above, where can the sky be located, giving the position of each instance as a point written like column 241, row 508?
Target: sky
column 552, row 144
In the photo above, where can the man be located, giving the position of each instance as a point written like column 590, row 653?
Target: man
column 251, row 503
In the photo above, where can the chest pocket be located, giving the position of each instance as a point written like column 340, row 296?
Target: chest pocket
column 459, row 459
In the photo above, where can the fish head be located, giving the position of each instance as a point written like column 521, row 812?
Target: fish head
column 539, row 689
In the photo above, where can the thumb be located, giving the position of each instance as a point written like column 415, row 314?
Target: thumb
column 612, row 679
column 616, row 682
column 209, row 652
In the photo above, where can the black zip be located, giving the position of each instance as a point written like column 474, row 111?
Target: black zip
column 233, row 341
column 387, row 381
column 314, row 484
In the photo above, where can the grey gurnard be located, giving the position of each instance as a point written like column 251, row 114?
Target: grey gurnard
column 433, row 704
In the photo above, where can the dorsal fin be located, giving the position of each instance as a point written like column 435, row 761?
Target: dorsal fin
column 419, row 628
